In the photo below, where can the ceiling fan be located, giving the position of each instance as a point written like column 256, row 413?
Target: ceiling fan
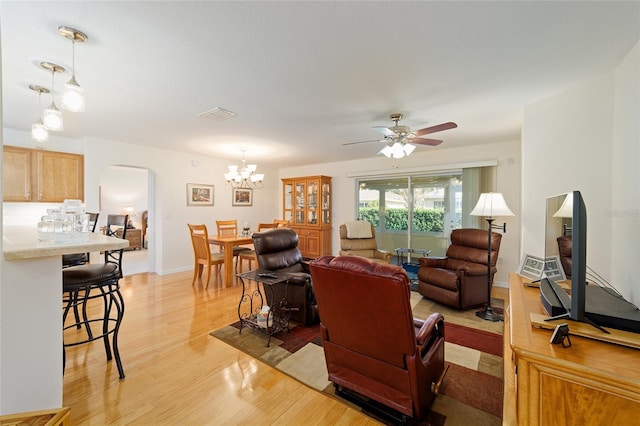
column 399, row 140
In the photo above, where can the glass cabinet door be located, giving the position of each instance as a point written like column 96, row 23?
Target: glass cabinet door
column 288, row 196
column 288, row 202
column 300, row 203
column 326, row 201
column 312, row 203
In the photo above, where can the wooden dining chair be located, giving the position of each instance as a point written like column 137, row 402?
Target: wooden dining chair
column 202, row 253
column 250, row 255
column 229, row 228
column 281, row 223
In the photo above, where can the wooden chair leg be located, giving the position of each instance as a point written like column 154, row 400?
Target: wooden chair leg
column 208, row 275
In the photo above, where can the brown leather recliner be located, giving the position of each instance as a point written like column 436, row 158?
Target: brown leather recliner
column 565, row 245
column 459, row 280
column 277, row 250
column 364, row 247
column 373, row 346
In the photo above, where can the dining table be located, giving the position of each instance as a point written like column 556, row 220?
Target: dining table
column 228, row 242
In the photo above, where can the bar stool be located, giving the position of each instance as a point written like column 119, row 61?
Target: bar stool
column 84, row 283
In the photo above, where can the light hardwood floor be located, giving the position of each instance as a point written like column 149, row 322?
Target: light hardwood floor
column 177, row 374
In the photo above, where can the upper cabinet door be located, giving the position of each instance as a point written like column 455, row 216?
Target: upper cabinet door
column 16, row 174
column 60, row 176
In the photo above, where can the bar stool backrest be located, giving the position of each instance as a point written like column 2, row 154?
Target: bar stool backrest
column 116, row 227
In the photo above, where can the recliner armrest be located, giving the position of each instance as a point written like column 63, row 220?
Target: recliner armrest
column 299, row 278
column 382, row 254
column 433, row 262
column 472, row 270
column 428, row 328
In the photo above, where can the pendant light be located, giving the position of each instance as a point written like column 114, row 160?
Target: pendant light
column 73, row 97
column 38, row 131
column 52, row 116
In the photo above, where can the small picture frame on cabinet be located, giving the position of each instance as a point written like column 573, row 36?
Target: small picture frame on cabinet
column 531, row 267
column 242, row 197
column 553, row 269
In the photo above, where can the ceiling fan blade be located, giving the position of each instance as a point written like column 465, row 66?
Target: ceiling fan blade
column 425, row 141
column 436, row 128
column 384, row 130
column 355, row 143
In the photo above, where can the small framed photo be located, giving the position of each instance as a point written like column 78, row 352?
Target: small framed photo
column 531, row 267
column 553, row 269
column 242, row 197
column 199, row 194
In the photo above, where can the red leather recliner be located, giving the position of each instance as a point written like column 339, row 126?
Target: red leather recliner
column 373, row 346
column 459, row 280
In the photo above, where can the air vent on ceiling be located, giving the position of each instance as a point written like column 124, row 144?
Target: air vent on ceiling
column 217, row 114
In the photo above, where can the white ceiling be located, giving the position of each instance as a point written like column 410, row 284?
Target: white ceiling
column 305, row 77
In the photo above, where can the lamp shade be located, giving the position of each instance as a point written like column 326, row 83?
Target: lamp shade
column 491, row 204
column 566, row 209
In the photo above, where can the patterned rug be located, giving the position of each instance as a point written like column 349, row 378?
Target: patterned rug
column 471, row 392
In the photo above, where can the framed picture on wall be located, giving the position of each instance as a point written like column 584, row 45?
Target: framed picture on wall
column 199, row 194
column 531, row 267
column 242, row 197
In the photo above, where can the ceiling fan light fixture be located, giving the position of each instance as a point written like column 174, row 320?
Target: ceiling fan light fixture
column 408, row 149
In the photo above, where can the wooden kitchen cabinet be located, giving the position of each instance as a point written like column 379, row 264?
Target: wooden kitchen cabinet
column 42, row 176
column 16, row 174
column 307, row 209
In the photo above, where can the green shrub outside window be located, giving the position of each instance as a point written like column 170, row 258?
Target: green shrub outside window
column 396, row 219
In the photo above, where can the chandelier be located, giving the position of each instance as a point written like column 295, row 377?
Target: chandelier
column 246, row 177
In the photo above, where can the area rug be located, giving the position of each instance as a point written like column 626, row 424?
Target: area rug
column 471, row 392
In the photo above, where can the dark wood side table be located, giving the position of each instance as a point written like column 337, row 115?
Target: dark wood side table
column 252, row 301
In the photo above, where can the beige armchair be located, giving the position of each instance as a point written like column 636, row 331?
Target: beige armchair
column 363, row 247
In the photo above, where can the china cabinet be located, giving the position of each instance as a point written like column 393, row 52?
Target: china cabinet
column 35, row 175
column 307, row 209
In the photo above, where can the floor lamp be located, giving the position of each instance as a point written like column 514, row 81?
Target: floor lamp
column 489, row 205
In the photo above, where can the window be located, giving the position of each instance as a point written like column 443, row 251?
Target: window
column 419, row 211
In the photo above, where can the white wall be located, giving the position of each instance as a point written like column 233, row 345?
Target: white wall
column 168, row 212
column 508, row 182
column 625, row 182
column 586, row 138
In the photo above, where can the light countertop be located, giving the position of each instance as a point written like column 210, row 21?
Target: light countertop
column 22, row 243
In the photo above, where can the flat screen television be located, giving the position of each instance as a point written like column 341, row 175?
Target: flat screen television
column 566, row 223
column 597, row 302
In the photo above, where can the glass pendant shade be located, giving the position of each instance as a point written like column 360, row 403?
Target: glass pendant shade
column 73, row 97
column 53, row 118
column 39, row 132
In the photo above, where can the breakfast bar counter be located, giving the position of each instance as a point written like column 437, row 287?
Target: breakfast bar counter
column 31, row 316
